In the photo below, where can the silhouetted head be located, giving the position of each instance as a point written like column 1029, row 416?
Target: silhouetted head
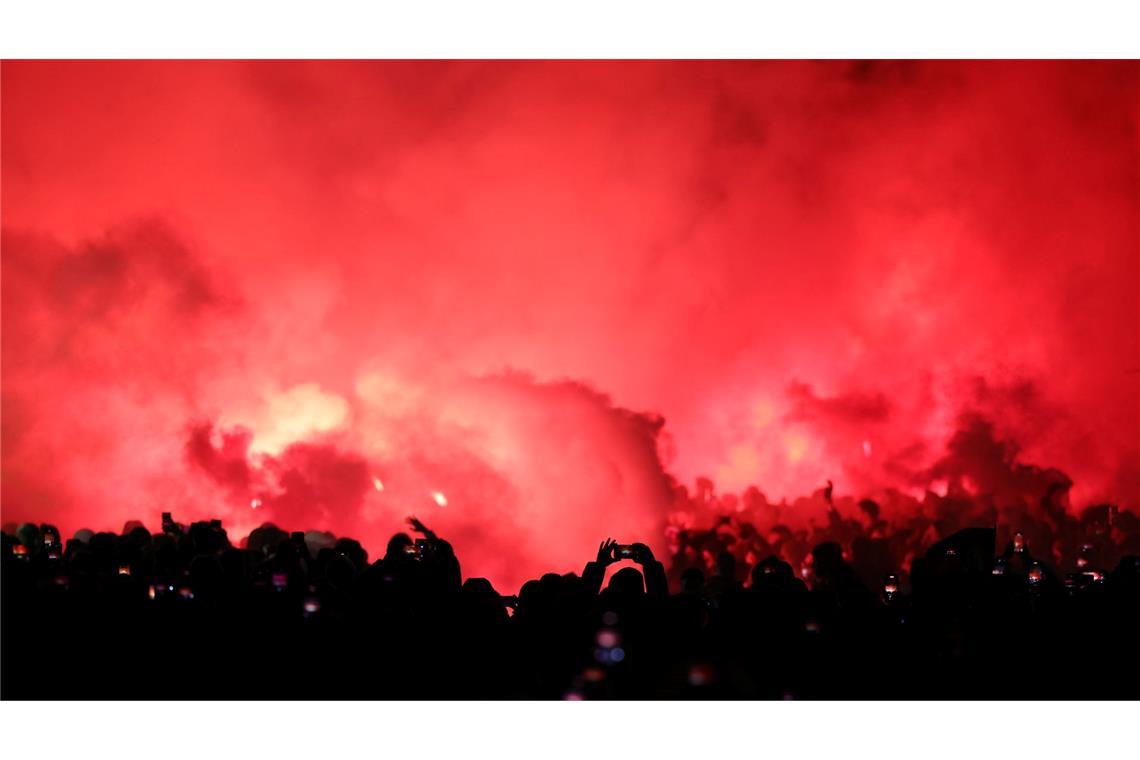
column 264, row 540
column 443, row 566
column 827, row 557
column 477, row 586
column 870, row 508
column 771, row 571
column 29, row 535
column 351, row 548
column 203, row 538
column 531, row 598
column 627, row 581
column 396, row 546
column 104, row 545
column 138, row 535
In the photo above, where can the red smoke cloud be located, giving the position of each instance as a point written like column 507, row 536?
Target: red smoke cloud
column 291, row 282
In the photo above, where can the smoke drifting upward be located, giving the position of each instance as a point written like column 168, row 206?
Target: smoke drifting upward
column 517, row 475
column 521, row 300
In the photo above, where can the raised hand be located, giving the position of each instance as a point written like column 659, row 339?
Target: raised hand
column 642, row 554
column 606, row 552
column 419, row 527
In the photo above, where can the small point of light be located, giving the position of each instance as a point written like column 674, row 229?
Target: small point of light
column 439, row 498
column 377, row 484
column 617, row 654
column 607, row 638
column 699, row 675
column 866, row 448
column 255, row 503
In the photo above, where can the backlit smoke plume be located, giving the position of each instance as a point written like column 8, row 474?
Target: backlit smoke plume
column 527, row 301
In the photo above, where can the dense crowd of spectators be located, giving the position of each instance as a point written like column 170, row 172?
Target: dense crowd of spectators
column 843, row 609
column 748, row 528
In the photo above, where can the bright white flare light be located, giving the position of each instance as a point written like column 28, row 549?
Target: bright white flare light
column 377, row 484
column 255, row 504
column 440, row 499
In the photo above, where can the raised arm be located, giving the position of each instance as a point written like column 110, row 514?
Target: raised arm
column 656, row 582
column 595, row 572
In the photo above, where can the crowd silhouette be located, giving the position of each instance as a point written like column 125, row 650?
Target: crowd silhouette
column 845, row 609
